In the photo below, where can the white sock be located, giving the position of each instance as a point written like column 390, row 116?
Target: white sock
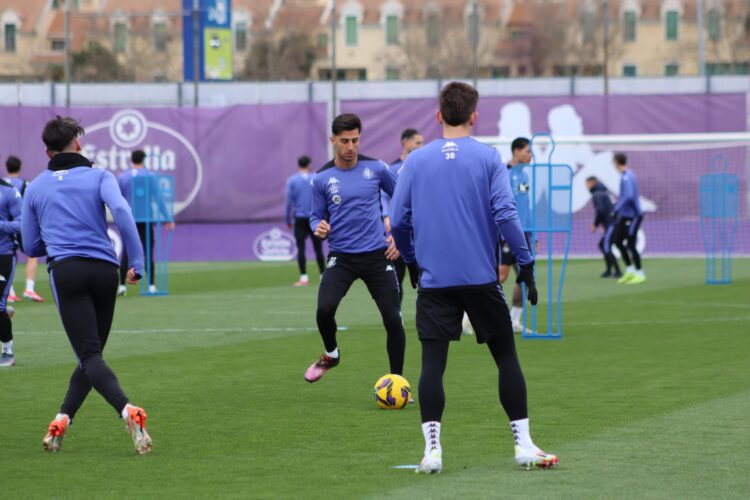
column 630, row 269
column 304, row 277
column 520, row 429
column 431, row 432
column 30, row 285
column 62, row 416
column 640, row 273
column 333, row 354
column 7, row 347
column 12, row 290
column 125, row 411
column 515, row 314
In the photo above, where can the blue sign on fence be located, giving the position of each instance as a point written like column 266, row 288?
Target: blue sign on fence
column 214, row 39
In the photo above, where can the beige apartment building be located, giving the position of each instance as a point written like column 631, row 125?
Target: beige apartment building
column 141, row 40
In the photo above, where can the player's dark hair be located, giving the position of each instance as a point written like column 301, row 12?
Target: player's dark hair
column 457, row 102
column 13, row 164
column 60, row 131
column 621, row 159
column 304, row 161
column 408, row 134
column 519, row 143
column 345, row 123
column 592, row 179
column 137, row 156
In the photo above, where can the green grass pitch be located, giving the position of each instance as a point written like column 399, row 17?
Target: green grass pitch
column 647, row 396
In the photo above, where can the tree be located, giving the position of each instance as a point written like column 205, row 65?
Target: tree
column 96, row 63
column 287, row 57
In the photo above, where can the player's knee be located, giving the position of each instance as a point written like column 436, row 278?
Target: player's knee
column 326, row 309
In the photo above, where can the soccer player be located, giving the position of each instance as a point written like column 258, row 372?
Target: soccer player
column 628, row 218
column 125, row 182
column 346, row 209
column 604, row 210
column 10, row 227
column 298, row 196
column 458, row 187
column 411, row 139
column 13, row 166
column 64, row 218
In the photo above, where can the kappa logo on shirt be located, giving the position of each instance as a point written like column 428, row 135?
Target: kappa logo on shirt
column 449, row 149
column 523, row 187
column 332, row 181
column 2, row 279
column 389, row 268
column 333, row 185
column 60, row 174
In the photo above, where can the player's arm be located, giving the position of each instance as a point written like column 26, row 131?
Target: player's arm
column 13, row 226
column 288, row 203
column 111, row 196
column 319, row 211
column 31, row 235
column 626, row 194
column 505, row 215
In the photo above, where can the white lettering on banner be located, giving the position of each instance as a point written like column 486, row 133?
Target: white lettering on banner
column 275, row 245
column 128, row 130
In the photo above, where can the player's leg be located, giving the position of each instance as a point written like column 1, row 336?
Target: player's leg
column 640, row 276
column 7, row 271
column 438, row 322
column 400, row 266
column 619, row 236
column 30, row 293
column 122, row 289
column 103, row 295
column 608, row 265
column 337, row 278
column 489, row 314
column 300, row 235
column 607, row 249
column 379, row 274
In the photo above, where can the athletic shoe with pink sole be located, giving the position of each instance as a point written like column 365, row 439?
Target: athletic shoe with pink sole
column 316, row 370
column 528, row 458
column 32, row 296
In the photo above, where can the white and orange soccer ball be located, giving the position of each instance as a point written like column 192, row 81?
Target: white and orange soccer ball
column 392, row 392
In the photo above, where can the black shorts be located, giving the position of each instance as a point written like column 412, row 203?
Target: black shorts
column 506, row 256
column 343, row 269
column 440, row 312
column 626, row 228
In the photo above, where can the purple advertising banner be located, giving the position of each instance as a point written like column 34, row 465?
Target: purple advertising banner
column 229, row 164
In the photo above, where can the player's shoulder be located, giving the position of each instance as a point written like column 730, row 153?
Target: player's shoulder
column 371, row 162
column 6, row 184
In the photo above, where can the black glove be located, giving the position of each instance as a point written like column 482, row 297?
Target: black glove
column 414, row 273
column 526, row 276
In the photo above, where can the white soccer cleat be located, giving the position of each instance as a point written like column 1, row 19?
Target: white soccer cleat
column 466, row 326
column 432, row 463
column 528, row 458
column 122, row 290
column 135, row 425
column 152, row 289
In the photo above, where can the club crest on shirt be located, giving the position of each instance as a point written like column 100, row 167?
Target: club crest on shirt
column 336, row 199
column 367, row 173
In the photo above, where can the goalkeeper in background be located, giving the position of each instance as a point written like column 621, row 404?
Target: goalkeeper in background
column 604, row 217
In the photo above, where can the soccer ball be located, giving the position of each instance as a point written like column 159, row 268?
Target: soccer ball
column 392, row 392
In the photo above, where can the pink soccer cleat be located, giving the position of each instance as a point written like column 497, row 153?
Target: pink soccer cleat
column 316, row 370
column 32, row 296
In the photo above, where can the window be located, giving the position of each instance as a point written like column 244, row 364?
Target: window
column 391, row 30
column 121, row 37
column 670, row 24
column 629, row 28
column 240, row 36
column 160, row 37
column 392, row 74
column 742, row 69
column 521, row 70
column 10, row 37
column 362, row 75
column 671, row 69
column 433, row 29
column 713, row 24
column 341, row 74
column 629, row 70
column 500, row 72
column 351, row 31
column 58, row 45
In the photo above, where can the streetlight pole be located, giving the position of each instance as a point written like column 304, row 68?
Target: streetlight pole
column 67, row 53
column 606, row 47
column 701, row 39
column 474, row 32
column 333, row 58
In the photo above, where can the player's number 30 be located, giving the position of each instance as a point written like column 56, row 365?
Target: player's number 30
column 450, row 156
